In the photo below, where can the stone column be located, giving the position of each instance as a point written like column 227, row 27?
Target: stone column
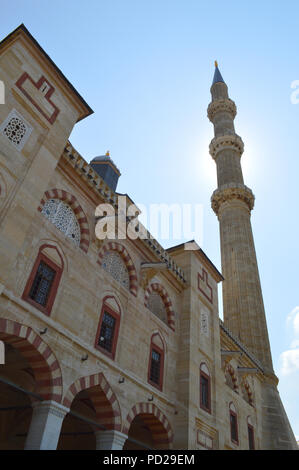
column 45, row 425
column 110, row 440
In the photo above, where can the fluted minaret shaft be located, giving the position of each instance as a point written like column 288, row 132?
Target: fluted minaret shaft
column 243, row 306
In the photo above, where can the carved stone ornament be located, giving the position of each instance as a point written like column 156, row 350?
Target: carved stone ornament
column 222, row 106
column 149, row 270
column 237, row 192
column 226, row 142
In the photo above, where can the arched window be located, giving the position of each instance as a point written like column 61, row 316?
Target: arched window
column 233, row 419
column 107, row 333
column 156, row 305
column 156, row 362
column 113, row 263
column 205, row 388
column 157, row 300
column 250, row 434
column 120, row 267
column 42, row 285
column 63, row 217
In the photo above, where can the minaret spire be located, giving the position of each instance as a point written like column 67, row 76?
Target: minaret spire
column 217, row 75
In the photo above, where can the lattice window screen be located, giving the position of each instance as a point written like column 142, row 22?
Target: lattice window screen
column 16, row 129
column 113, row 263
column 63, row 217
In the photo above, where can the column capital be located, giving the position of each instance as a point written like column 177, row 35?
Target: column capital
column 50, row 407
column 110, row 440
column 226, row 142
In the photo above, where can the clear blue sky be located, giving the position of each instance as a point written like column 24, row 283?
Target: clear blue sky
column 146, row 67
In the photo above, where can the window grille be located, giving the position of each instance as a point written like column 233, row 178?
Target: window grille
column 42, row 284
column 63, row 217
column 107, row 330
column 113, row 263
column 155, row 367
column 16, row 129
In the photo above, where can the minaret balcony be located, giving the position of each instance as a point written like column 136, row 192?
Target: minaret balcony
column 226, row 142
column 222, row 106
column 232, row 192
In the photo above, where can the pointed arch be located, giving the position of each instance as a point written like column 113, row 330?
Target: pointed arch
column 77, row 209
column 123, row 252
column 233, row 419
column 108, row 326
column 159, row 289
column 50, row 256
column 102, row 396
column 42, row 360
column 205, row 387
column 155, row 372
column 155, row 420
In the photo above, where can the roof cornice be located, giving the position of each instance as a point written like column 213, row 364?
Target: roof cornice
column 22, row 32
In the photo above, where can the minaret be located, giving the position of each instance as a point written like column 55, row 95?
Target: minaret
column 243, row 306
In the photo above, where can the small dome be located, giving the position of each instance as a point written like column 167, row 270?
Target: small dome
column 106, row 168
column 104, row 159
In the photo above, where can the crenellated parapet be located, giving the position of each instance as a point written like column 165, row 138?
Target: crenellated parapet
column 232, row 192
column 225, row 105
column 226, row 142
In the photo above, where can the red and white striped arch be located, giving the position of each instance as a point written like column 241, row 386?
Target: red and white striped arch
column 156, row 421
column 78, row 211
column 123, row 252
column 159, row 289
column 102, row 396
column 40, row 357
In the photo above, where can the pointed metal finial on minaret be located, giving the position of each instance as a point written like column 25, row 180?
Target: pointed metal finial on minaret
column 217, row 75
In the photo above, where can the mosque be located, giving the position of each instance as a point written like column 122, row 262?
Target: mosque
column 117, row 343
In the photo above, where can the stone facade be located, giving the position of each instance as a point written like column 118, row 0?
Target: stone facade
column 109, row 344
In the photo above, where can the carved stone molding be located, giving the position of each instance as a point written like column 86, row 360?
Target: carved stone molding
column 149, row 270
column 227, row 356
column 232, row 193
column 222, row 106
column 245, row 371
column 50, row 407
column 226, row 142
